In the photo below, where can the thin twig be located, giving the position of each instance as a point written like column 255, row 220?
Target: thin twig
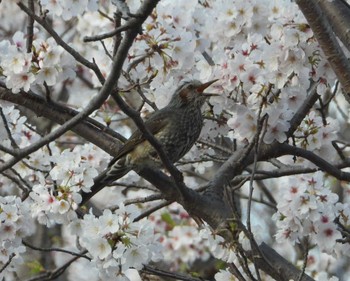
column 80, row 255
column 216, row 146
column 105, row 15
column 7, row 129
column 146, row 199
column 323, row 164
column 304, row 109
column 257, row 140
column 235, row 271
column 272, row 206
column 137, row 85
column 123, row 11
column 135, row 116
column 106, row 51
column 306, row 255
column 152, row 210
column 53, row 274
column 7, row 263
column 63, row 44
column 160, row 272
column 19, row 184
column 267, row 193
column 54, row 111
column 135, row 62
column 107, row 34
column 145, row 9
column 30, row 28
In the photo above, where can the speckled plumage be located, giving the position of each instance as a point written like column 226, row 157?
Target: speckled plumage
column 177, row 126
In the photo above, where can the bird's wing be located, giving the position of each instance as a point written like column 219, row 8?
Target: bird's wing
column 154, row 124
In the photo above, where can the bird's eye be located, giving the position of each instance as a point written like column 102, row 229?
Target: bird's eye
column 190, row 86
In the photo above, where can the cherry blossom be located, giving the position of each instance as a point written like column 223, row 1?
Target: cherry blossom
column 266, row 59
column 115, row 242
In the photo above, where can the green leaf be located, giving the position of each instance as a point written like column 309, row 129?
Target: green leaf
column 35, row 267
column 166, row 217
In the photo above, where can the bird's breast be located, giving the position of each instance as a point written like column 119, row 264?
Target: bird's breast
column 181, row 134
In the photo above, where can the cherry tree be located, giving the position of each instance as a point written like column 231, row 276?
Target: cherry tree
column 262, row 195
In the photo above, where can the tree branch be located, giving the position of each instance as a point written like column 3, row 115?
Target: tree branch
column 95, row 102
column 30, row 28
column 80, row 255
column 338, row 15
column 171, row 275
column 304, row 109
column 60, row 41
column 108, row 34
column 135, row 116
column 89, row 129
column 286, row 149
column 286, row 270
column 328, row 41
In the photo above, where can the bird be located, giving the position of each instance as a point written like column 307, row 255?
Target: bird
column 176, row 126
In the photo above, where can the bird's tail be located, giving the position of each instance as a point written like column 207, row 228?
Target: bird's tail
column 115, row 171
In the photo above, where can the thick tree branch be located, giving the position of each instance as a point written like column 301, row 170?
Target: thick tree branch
column 328, row 41
column 89, row 129
column 286, row 270
column 322, row 164
column 304, row 109
column 338, row 15
column 213, row 209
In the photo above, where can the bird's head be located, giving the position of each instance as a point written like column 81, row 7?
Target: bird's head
column 191, row 93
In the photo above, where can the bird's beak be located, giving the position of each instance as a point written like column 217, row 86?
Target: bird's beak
column 202, row 87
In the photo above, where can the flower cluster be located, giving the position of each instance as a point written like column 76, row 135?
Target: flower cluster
column 180, row 237
column 266, row 52
column 265, row 56
column 69, row 8
column 226, row 252
column 46, row 63
column 15, row 123
column 218, row 246
column 308, row 209
column 15, row 224
column 116, row 242
column 268, row 68
column 57, row 176
column 226, row 275
column 316, row 134
column 21, row 136
column 56, row 198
